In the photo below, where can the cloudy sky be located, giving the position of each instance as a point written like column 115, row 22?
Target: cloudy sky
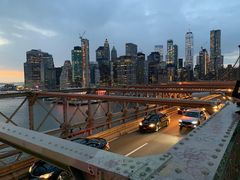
column 54, row 27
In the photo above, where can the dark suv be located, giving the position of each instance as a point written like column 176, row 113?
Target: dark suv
column 43, row 170
column 154, row 122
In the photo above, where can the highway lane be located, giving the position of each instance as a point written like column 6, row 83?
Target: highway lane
column 138, row 144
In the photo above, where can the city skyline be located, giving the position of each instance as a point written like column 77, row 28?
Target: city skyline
column 24, row 27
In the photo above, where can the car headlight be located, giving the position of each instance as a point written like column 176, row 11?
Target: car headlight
column 151, row 125
column 180, row 120
column 46, row 176
column 215, row 108
column 30, row 169
column 140, row 124
column 194, row 122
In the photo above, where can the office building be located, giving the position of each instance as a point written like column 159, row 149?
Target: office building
column 104, row 64
column 58, row 71
column 170, row 52
column 189, row 53
column 66, row 75
column 113, row 54
column 216, row 59
column 153, row 67
column 159, row 49
column 180, row 63
column 131, row 49
column 113, row 66
column 77, row 66
column 126, row 70
column 106, row 50
column 85, row 63
column 140, row 68
column 203, row 59
column 175, row 55
column 94, row 74
column 48, row 73
column 39, row 70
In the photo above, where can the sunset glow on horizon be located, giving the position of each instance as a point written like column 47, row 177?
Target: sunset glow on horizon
column 7, row 76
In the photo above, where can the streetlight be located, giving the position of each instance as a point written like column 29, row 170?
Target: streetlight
column 239, row 63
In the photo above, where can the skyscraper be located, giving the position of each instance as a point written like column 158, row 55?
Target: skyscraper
column 131, row 49
column 77, row 66
column 48, row 73
column 203, row 63
column 153, row 67
column 159, row 49
column 126, row 70
column 189, row 50
column 216, row 59
column 39, row 70
column 66, row 75
column 169, row 56
column 85, row 62
column 58, row 71
column 140, row 68
column 103, row 60
column 171, row 59
column 113, row 54
column 94, row 74
column 175, row 55
column 106, row 50
column 113, row 65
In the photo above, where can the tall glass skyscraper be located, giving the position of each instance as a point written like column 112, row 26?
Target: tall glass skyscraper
column 189, row 50
column 159, row 49
column 85, row 62
column 77, row 66
column 169, row 56
column 66, row 75
column 216, row 59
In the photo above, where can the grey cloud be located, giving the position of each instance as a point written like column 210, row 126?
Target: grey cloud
column 144, row 22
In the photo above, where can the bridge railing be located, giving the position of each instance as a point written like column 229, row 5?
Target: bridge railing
column 200, row 155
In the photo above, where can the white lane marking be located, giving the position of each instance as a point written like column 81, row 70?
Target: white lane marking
column 113, row 139
column 136, row 149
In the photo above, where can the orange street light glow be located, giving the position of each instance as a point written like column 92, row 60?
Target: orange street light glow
column 11, row 76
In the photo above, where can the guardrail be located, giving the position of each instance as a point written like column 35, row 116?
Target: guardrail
column 113, row 132
column 126, row 128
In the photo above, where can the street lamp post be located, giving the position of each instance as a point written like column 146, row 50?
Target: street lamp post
column 239, row 63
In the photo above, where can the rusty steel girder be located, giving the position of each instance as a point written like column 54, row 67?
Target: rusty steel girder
column 169, row 102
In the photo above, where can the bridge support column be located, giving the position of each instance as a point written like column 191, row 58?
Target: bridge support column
column 124, row 111
column 65, row 126
column 137, row 110
column 109, row 115
column 90, row 118
column 31, row 100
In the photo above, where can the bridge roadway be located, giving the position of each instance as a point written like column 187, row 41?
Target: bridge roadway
column 138, row 144
column 197, row 156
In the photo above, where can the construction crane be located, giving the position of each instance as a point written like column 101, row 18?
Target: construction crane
column 81, row 35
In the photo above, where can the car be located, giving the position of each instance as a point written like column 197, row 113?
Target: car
column 43, row 170
column 181, row 110
column 154, row 122
column 192, row 118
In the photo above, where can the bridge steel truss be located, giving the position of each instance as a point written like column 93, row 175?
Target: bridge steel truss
column 202, row 154
column 90, row 122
